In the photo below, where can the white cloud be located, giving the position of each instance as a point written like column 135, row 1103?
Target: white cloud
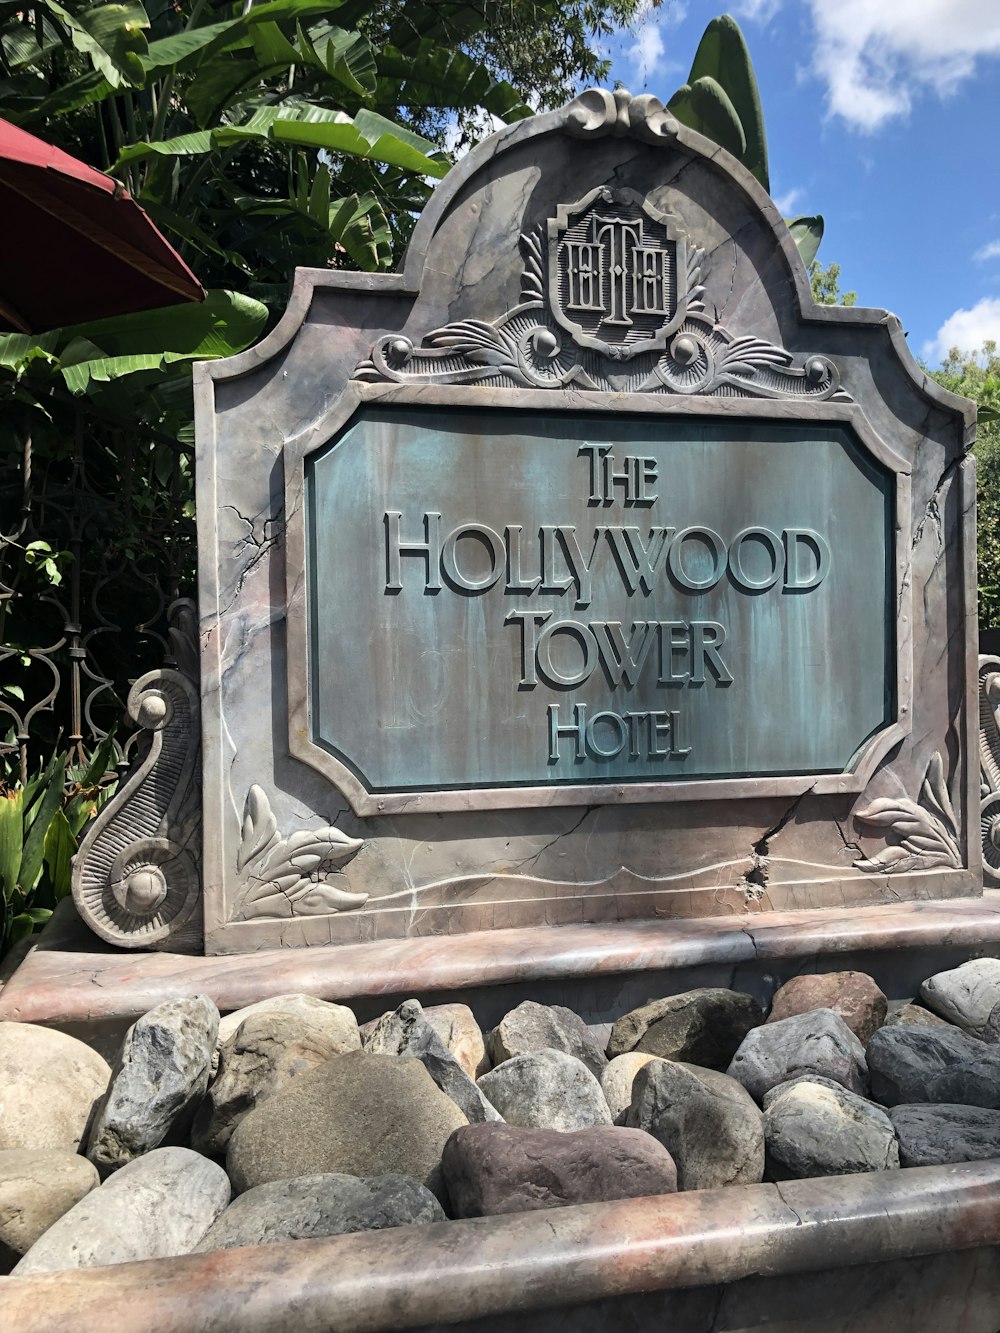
column 875, row 56
column 989, row 251
column 965, row 329
column 757, row 11
column 787, row 203
column 647, row 51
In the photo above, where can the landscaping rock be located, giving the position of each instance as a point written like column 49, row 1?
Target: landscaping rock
column 705, row 1120
column 990, row 1031
column 338, row 1021
column 49, row 1085
column 780, row 1089
column 269, row 1049
column 702, row 1027
column 546, row 1090
column 819, row 1042
column 406, row 1031
column 937, row 1135
column 359, row 1115
column 933, row 1064
column 156, row 1207
column 545, row 1027
column 159, row 1079
column 852, row 995
column 817, row 1129
column 493, row 1169
column 910, row 1015
column 325, row 1205
column 617, row 1080
column 458, row 1029
column 38, row 1185
column 965, row 995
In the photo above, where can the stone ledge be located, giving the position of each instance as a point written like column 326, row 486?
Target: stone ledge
column 446, row 1272
column 70, row 977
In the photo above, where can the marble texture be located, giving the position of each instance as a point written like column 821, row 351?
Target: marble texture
column 503, row 1269
column 68, row 980
column 409, row 865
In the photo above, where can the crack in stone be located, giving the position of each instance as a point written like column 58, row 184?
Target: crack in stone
column 566, row 833
column 852, row 847
column 260, row 546
column 754, row 882
column 799, row 1220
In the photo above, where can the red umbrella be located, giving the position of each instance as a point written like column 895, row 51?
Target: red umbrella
column 77, row 245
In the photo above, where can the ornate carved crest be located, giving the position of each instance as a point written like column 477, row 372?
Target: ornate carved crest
column 619, row 276
column 610, row 302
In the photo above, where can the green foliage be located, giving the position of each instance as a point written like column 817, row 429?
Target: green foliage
column 41, row 821
column 976, row 375
column 825, row 283
column 721, row 98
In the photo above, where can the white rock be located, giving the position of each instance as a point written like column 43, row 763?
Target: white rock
column 158, row 1206
column 455, row 1024
column 965, row 995
column 350, row 1039
column 37, row 1186
column 49, row 1083
column 546, row 1090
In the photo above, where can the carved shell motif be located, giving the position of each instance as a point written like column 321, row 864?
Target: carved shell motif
column 286, row 877
column 927, row 832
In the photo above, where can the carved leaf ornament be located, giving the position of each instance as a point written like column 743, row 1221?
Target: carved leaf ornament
column 286, row 877
column 928, row 832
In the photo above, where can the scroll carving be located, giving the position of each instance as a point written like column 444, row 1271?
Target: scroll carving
column 927, row 831
column 610, row 302
column 286, row 877
column 989, row 766
column 597, row 112
column 137, row 875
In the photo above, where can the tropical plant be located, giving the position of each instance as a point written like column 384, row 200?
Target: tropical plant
column 40, row 824
column 976, row 375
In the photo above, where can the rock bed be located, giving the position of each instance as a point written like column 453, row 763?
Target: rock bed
column 286, row 1120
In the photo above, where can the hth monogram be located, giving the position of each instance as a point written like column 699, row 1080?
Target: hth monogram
column 617, row 273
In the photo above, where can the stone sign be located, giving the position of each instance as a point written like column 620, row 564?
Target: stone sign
column 583, row 571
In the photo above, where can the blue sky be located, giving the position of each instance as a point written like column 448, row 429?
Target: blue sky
column 884, row 116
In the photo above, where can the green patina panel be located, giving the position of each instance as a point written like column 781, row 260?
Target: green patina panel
column 515, row 598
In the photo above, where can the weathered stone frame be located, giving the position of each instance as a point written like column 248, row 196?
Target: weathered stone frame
column 226, row 935
column 364, row 802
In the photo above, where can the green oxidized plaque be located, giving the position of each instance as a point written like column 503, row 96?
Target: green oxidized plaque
column 515, row 598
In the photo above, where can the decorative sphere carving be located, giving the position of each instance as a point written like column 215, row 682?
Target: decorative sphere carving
column 145, row 890
column 545, row 343
column 685, row 350
column 153, row 711
column 816, row 370
column 399, row 350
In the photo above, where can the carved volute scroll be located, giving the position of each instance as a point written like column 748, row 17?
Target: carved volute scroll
column 137, row 875
column 989, row 766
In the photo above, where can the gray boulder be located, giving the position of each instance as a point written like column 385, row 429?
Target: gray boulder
column 546, row 1090
column 493, row 1169
column 706, row 1121
column 618, row 1078
column 937, row 1135
column 545, row 1027
column 338, row 1021
column 358, row 1115
column 701, row 1027
column 325, row 1205
column 965, row 995
column 159, row 1079
column 817, row 1130
column 933, row 1064
column 269, row 1049
column 156, row 1207
column 909, row 1015
column 456, row 1025
column 406, row 1031
column 38, row 1185
column 50, row 1084
column 780, row 1089
column 817, row 1042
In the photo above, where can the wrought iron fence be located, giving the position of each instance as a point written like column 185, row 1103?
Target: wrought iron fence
column 97, row 539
